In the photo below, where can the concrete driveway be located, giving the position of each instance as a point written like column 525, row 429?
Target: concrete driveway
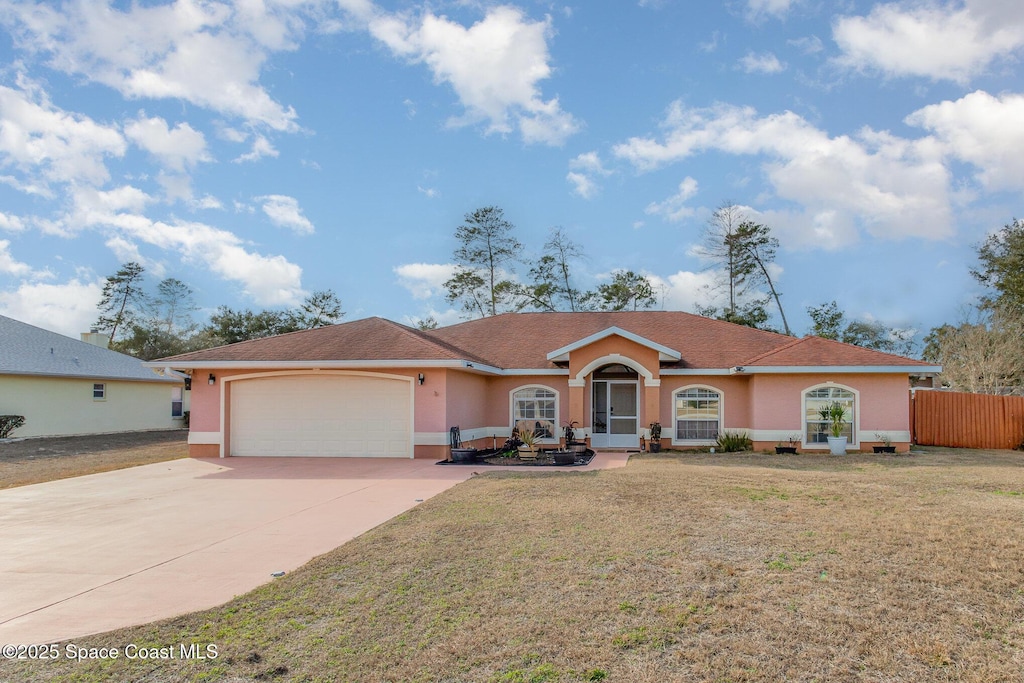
column 95, row 553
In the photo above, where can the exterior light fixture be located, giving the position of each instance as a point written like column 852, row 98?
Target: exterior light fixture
column 421, row 378
column 212, row 380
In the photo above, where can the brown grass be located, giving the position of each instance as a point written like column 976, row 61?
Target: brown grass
column 721, row 568
column 32, row 461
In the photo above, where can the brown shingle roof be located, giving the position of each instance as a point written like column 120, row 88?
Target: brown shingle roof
column 523, row 340
column 368, row 339
column 817, row 351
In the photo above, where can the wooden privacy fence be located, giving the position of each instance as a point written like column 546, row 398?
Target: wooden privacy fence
column 958, row 420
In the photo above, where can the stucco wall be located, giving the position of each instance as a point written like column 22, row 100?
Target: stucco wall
column 64, row 407
column 465, row 402
column 735, row 391
column 499, row 411
column 883, row 402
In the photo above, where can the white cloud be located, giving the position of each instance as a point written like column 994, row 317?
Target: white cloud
column 982, row 130
column 937, row 41
column 775, row 8
column 285, row 212
column 761, row 64
column 206, row 202
column 424, row 280
column 51, row 145
column 429, row 192
column 261, row 147
column 494, row 67
column 68, row 308
column 893, row 186
column 177, row 148
column 584, row 167
column 675, row 208
column 711, row 44
column 443, row 318
column 582, row 185
column 8, row 265
column 124, row 250
column 809, row 45
column 11, row 223
column 590, row 162
column 269, row 280
column 683, row 290
column 232, row 134
column 209, row 54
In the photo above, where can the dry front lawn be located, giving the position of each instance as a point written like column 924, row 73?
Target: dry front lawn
column 677, row 568
column 32, row 461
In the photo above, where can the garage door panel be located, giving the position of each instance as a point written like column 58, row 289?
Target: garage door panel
column 321, row 415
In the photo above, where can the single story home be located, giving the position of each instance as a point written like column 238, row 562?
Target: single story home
column 374, row 387
column 64, row 387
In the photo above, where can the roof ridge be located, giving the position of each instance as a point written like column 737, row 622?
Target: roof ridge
column 796, row 341
column 812, row 337
column 424, row 335
column 865, row 348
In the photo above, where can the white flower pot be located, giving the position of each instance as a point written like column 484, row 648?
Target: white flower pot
column 837, row 445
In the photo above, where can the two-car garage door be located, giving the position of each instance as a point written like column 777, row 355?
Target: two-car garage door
column 321, row 415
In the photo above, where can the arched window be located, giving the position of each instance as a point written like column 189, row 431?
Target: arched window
column 698, row 414
column 536, row 408
column 816, row 426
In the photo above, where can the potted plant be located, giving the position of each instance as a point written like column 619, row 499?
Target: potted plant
column 835, row 415
column 886, row 446
column 528, row 449
column 655, row 437
column 788, row 447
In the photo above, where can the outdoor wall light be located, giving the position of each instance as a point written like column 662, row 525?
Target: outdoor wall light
column 421, row 378
column 212, row 379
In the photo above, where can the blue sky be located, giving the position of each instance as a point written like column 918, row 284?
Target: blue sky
column 262, row 150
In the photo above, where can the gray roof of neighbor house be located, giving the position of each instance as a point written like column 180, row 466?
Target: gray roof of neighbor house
column 29, row 350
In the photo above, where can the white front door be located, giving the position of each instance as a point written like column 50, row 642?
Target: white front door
column 614, row 417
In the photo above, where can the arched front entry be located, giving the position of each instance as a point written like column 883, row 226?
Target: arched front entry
column 615, row 407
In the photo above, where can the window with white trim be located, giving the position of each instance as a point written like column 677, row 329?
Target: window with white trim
column 816, row 429
column 537, row 408
column 697, row 414
column 99, row 392
column 177, row 405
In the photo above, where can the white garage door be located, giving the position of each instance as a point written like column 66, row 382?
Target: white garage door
column 321, row 415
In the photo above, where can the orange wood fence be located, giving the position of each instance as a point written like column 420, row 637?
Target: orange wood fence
column 958, row 420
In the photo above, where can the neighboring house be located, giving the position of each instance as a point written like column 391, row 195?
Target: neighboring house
column 68, row 387
column 377, row 388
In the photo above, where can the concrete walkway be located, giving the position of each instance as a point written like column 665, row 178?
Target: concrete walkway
column 95, row 553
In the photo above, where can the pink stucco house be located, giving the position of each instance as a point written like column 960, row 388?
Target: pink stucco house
column 377, row 388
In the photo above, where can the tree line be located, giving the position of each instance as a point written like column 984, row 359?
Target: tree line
column 159, row 323
column 983, row 352
column 484, row 282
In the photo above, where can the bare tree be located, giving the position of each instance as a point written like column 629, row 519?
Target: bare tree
column 984, row 354
column 123, row 300
column 743, row 251
column 484, row 258
column 551, row 285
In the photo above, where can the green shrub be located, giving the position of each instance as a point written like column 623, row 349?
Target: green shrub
column 8, row 423
column 734, row 442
